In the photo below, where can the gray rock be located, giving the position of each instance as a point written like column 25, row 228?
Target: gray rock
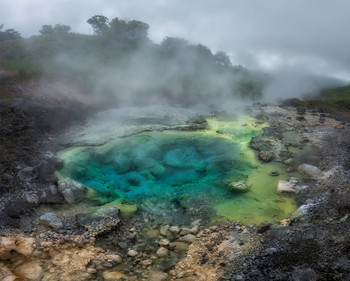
column 274, row 173
column 302, row 274
column 289, row 161
column 302, row 211
column 261, row 143
column 266, row 156
column 50, row 219
column 300, row 109
column 309, row 170
column 71, row 190
column 122, row 245
column 196, row 222
column 103, row 219
column 28, row 173
column 271, row 251
column 32, row 198
column 106, row 211
column 53, row 189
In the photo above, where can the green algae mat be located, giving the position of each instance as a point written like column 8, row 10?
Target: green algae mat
column 185, row 170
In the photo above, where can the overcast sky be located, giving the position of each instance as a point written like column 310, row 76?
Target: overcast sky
column 276, row 35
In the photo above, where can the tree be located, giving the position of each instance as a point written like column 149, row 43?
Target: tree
column 173, row 45
column 48, row 30
column 137, row 30
column 221, row 58
column 61, row 29
column 99, row 24
column 118, row 29
column 8, row 34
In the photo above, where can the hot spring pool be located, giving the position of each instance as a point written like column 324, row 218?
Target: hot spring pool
column 181, row 173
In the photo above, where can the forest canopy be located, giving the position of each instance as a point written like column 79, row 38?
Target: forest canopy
column 119, row 61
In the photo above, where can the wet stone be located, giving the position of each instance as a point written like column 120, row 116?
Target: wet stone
column 122, row 245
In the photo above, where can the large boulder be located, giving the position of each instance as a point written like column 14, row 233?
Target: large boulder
column 261, row 143
column 309, row 170
column 71, row 190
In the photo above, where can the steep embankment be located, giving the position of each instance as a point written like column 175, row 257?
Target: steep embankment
column 32, row 114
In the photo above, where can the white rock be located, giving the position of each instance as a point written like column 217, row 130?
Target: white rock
column 132, row 253
column 164, row 242
column 115, row 258
column 288, row 186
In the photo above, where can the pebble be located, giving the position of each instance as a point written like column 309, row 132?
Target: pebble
column 196, row 222
column 164, row 230
column 158, row 276
column 185, row 231
column 91, row 270
column 162, row 252
column 174, row 229
column 114, row 275
column 107, row 264
column 274, row 173
column 122, row 245
column 146, row 262
column 179, row 246
column 189, row 238
column 132, row 253
column 164, row 242
column 115, row 258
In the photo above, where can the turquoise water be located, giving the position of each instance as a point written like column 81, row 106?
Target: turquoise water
column 183, row 175
column 159, row 164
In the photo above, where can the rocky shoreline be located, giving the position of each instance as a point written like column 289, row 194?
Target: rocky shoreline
column 313, row 245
